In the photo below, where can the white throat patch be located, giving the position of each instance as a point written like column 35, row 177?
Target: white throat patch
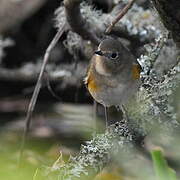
column 99, row 67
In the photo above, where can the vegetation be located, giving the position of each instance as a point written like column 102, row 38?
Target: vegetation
column 60, row 141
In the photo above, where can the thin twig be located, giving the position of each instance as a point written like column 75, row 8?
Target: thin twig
column 119, row 16
column 37, row 89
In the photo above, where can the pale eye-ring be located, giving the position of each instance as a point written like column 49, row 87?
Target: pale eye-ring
column 114, row 55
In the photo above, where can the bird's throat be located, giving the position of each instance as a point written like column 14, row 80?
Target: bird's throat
column 101, row 67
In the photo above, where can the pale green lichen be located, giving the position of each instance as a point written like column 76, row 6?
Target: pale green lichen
column 94, row 154
column 60, row 17
column 154, row 100
column 73, row 42
column 141, row 22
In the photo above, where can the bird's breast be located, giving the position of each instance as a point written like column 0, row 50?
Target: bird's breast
column 113, row 96
column 92, row 84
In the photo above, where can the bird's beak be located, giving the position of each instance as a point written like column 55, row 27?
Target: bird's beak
column 98, row 52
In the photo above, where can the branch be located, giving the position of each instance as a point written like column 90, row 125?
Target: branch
column 95, row 23
column 119, row 16
column 37, row 89
column 78, row 23
column 169, row 13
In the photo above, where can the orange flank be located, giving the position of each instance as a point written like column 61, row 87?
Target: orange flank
column 136, row 70
column 91, row 83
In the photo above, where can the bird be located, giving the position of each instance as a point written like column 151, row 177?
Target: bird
column 113, row 74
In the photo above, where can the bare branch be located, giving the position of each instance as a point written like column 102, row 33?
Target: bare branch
column 119, row 16
column 37, row 89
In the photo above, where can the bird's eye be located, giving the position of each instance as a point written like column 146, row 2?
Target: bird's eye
column 114, row 55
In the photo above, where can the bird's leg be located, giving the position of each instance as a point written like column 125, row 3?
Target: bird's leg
column 106, row 116
column 124, row 112
column 123, row 109
column 118, row 108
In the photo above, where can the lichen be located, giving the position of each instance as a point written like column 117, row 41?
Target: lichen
column 60, row 17
column 154, row 100
column 96, row 153
column 137, row 21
